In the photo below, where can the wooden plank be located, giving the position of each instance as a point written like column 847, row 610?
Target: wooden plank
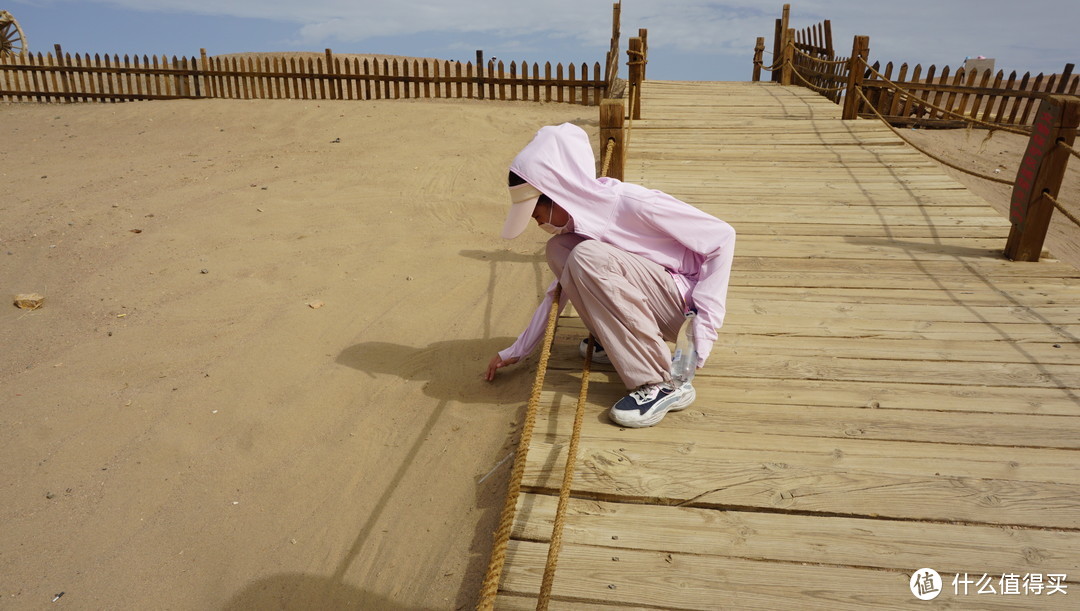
column 834, row 279
column 988, row 269
column 674, row 580
column 945, row 421
column 896, row 480
column 837, row 541
column 883, row 395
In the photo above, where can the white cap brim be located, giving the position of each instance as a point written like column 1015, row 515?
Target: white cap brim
column 523, row 200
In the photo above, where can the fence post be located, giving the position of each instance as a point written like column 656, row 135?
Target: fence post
column 480, row 73
column 759, row 50
column 208, row 81
column 778, row 39
column 635, row 76
column 610, row 72
column 1041, row 172
column 643, row 34
column 65, row 74
column 612, row 113
column 860, row 50
column 335, row 94
column 789, row 58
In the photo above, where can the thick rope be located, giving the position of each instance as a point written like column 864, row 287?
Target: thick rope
column 926, row 152
column 816, row 87
column 564, row 491
column 1061, row 209
column 899, row 89
column 1071, row 150
column 776, row 65
column 490, row 588
column 555, row 546
column 609, row 153
column 831, row 62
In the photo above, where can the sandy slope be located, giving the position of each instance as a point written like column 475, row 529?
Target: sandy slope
column 179, row 429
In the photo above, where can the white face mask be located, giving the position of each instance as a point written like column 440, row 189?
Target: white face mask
column 552, row 229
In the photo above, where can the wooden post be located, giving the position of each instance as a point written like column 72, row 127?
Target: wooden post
column 1041, row 172
column 65, row 75
column 635, row 77
column 480, row 74
column 778, row 39
column 612, row 113
column 334, row 83
column 777, row 35
column 643, row 34
column 208, row 81
column 759, row 51
column 1066, row 75
column 860, row 50
column 789, row 57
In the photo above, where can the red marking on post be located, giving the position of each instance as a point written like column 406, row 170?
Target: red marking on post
column 1033, row 158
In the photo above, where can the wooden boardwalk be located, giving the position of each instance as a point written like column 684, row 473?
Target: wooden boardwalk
column 888, row 392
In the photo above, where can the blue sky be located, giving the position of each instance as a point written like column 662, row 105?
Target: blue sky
column 688, row 39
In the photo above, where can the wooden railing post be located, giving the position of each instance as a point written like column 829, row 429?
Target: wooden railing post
column 778, row 39
column 789, row 58
column 208, row 81
column 1041, row 172
column 759, row 52
column 637, row 62
column 65, row 74
column 860, row 50
column 612, row 113
column 643, row 34
column 480, row 73
column 611, row 69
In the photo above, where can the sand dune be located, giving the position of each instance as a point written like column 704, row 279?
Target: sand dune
column 180, row 428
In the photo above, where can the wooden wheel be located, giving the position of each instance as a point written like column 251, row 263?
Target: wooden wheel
column 12, row 39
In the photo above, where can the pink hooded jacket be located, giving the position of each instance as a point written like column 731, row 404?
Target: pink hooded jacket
column 696, row 248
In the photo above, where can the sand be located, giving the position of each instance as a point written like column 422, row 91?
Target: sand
column 981, row 151
column 181, row 429
column 255, row 380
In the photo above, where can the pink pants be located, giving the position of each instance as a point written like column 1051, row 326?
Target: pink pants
column 629, row 303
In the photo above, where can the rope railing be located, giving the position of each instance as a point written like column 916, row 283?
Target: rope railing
column 1060, row 208
column 816, row 87
column 555, row 546
column 490, row 588
column 830, row 62
column 776, row 65
column 1067, row 147
column 609, row 152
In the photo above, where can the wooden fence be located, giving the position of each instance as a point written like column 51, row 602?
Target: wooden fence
column 981, row 95
column 807, row 58
column 82, row 78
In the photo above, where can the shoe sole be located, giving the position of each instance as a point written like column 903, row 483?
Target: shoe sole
column 656, row 417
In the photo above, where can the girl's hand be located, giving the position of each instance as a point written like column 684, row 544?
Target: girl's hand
column 496, row 364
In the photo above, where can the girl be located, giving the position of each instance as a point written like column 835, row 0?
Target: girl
column 633, row 261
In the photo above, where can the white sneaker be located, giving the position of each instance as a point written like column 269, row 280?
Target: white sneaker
column 598, row 353
column 649, row 404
